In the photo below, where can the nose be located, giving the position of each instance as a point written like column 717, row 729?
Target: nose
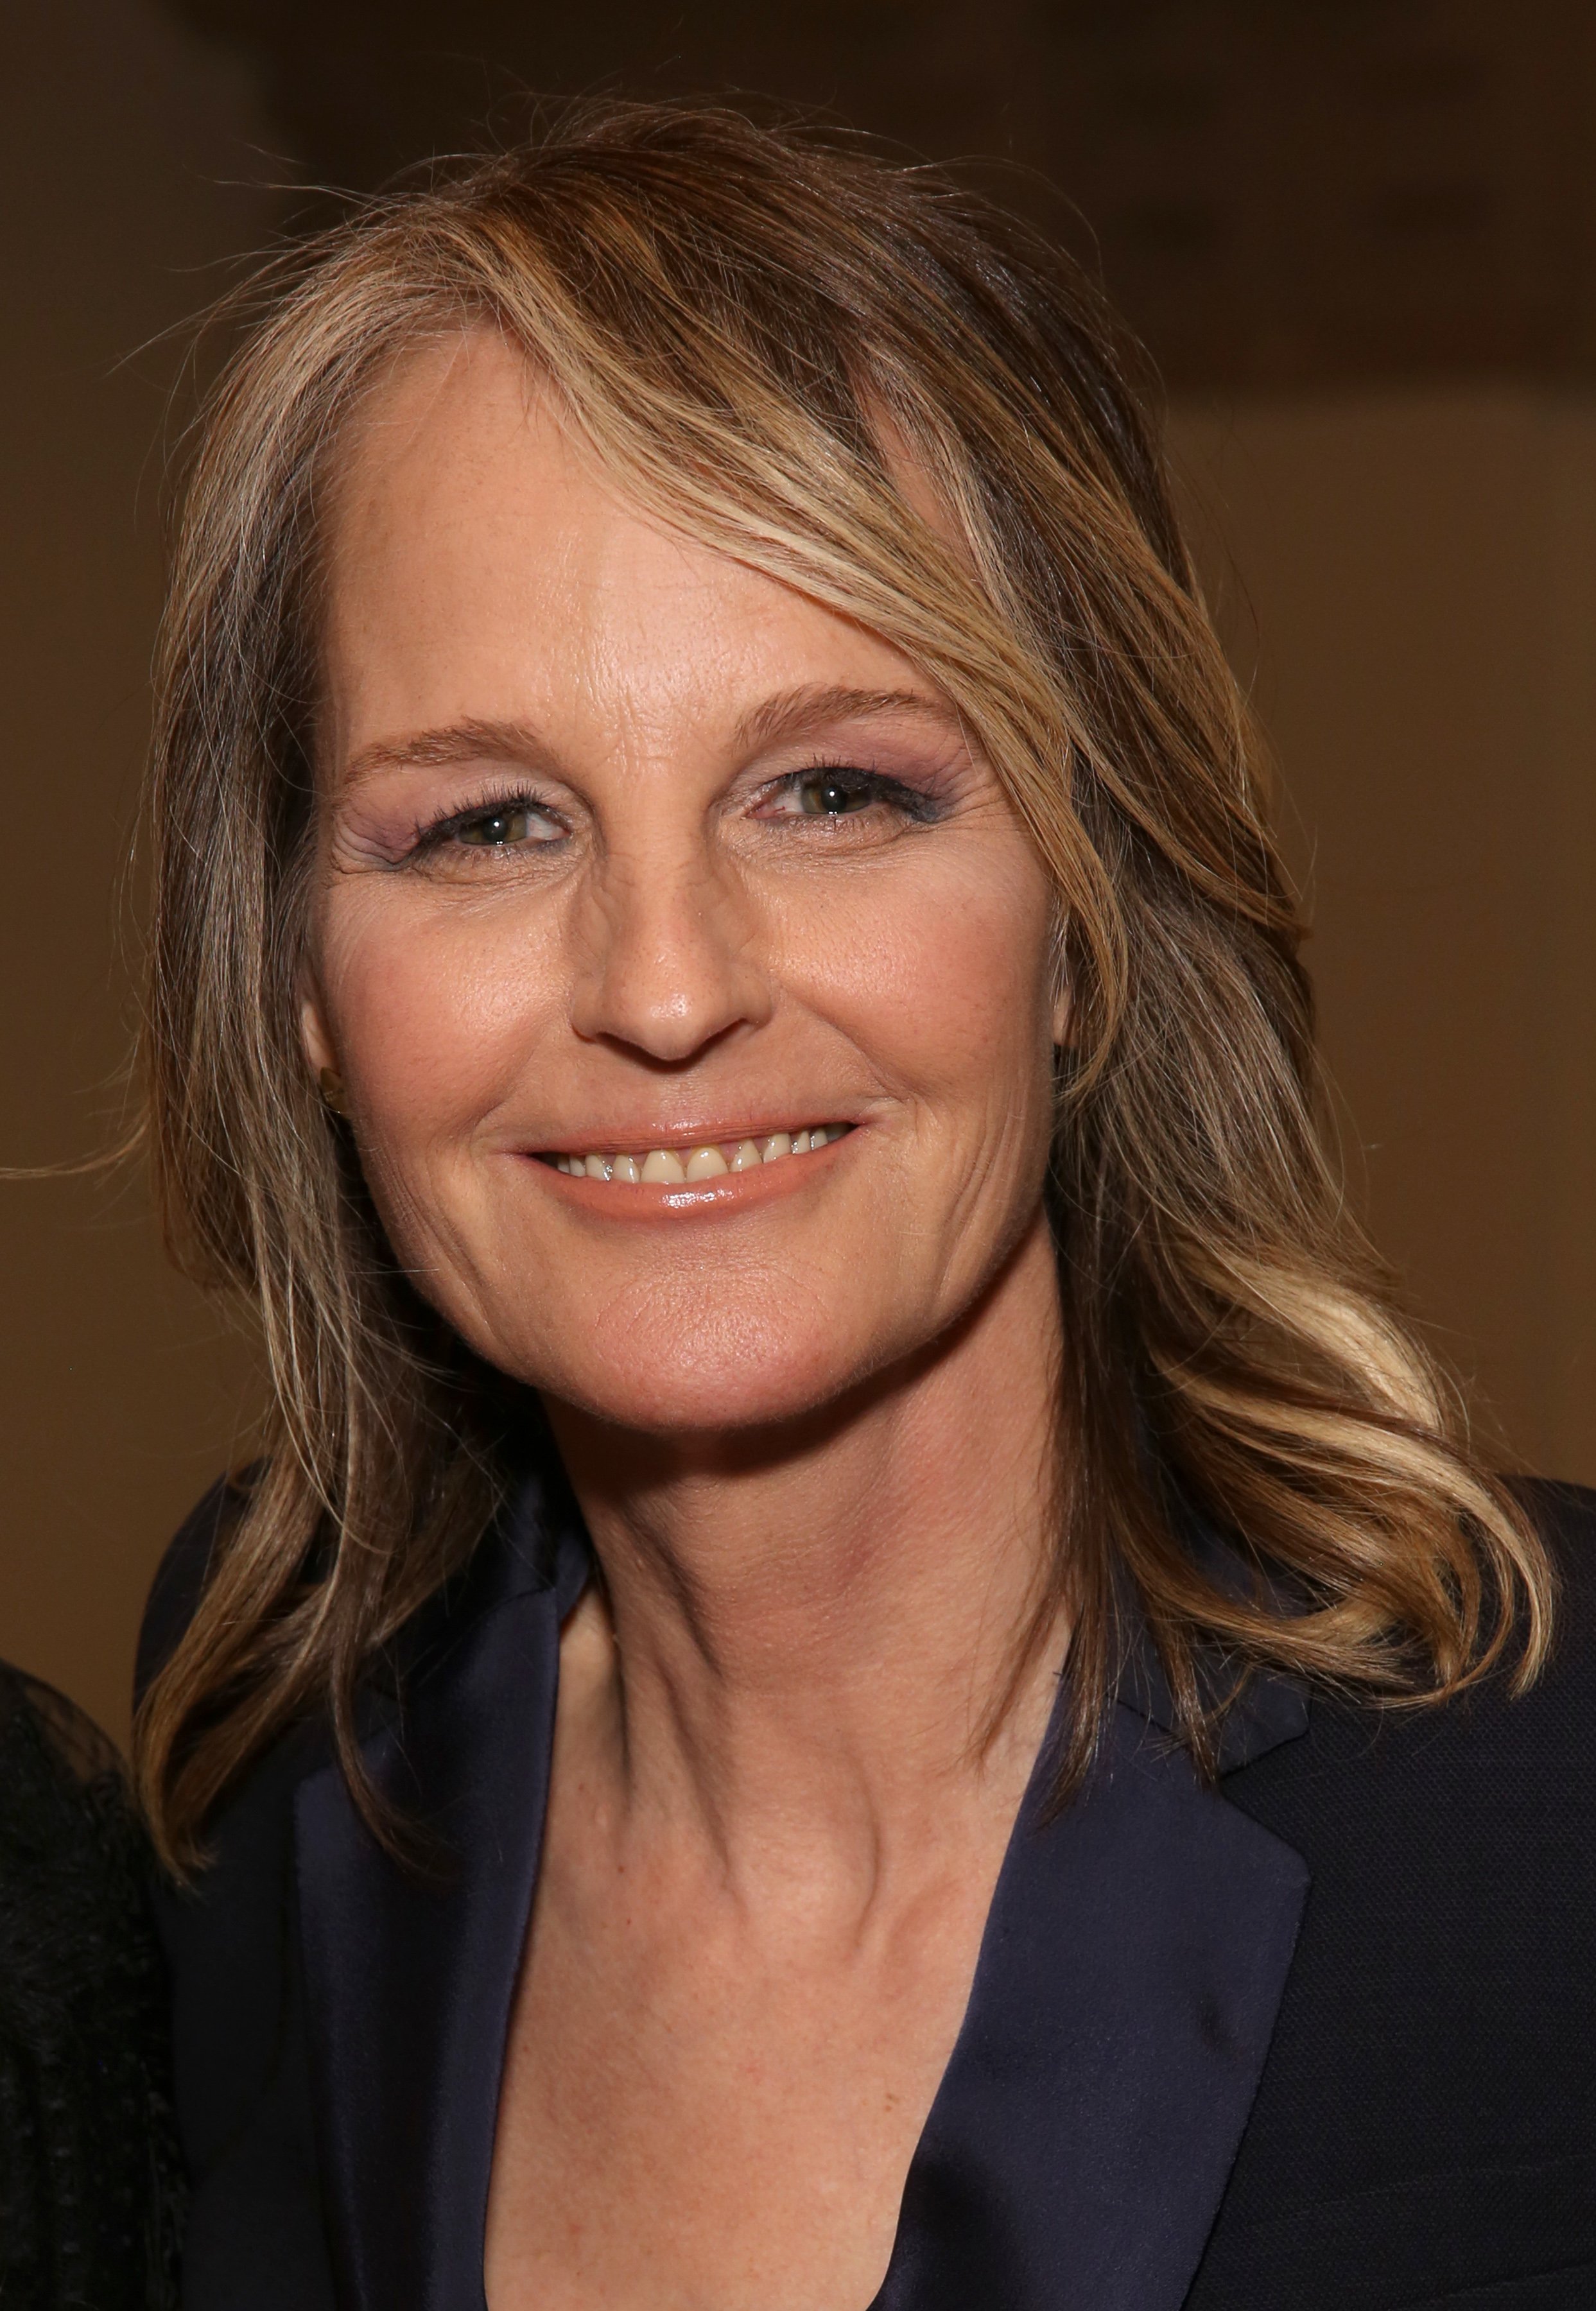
column 667, row 954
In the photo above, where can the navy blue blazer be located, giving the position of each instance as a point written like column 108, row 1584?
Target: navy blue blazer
column 1322, row 2034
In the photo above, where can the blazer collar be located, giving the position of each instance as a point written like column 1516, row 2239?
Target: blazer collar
column 1269, row 1709
column 1122, row 2004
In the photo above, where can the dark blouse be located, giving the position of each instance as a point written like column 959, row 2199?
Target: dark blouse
column 1317, row 2037
column 90, row 2180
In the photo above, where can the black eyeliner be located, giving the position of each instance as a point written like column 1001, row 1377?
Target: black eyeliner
column 880, row 786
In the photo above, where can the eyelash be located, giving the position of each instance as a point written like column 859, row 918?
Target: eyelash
column 915, row 804
column 919, row 808
column 431, row 834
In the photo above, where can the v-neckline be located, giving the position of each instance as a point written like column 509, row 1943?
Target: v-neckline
column 573, row 1576
column 1124, row 1994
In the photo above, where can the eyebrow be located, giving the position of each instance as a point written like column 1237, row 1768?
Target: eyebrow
column 788, row 717
column 456, row 741
column 794, row 714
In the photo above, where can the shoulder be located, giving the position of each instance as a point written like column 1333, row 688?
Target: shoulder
column 1428, row 2093
column 513, row 1552
column 1469, row 1774
column 1452, row 1852
column 181, row 1577
column 1565, row 1517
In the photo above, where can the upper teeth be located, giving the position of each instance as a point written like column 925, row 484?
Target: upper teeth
column 671, row 1166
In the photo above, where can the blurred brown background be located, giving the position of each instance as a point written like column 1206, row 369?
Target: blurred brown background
column 1359, row 237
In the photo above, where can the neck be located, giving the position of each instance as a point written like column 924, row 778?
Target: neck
column 814, row 1644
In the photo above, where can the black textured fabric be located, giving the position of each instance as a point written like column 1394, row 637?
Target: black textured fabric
column 89, row 2189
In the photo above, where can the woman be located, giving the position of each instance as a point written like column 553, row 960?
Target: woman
column 802, row 1710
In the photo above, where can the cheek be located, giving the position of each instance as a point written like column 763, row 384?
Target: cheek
column 944, row 983
column 434, row 1019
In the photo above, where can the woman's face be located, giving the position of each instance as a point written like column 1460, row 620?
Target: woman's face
column 635, row 859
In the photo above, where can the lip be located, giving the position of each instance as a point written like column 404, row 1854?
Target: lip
column 731, row 1192
column 695, row 1131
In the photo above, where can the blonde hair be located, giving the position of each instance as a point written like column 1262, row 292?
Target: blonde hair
column 738, row 319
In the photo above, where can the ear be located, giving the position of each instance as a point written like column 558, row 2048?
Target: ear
column 314, row 1038
column 1063, row 1020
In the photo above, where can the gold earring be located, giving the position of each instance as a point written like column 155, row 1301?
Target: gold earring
column 332, row 1090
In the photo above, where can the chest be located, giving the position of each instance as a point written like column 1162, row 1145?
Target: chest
column 696, row 2112
column 1132, row 1958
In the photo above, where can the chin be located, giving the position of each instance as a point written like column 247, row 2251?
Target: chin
column 715, row 1377
column 705, row 1400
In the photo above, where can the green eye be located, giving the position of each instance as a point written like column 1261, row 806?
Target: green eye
column 830, row 797
column 496, row 828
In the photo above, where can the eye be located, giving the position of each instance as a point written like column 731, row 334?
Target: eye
column 837, row 791
column 513, row 823
column 495, row 829
column 823, row 794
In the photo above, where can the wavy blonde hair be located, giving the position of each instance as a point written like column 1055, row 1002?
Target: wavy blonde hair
column 738, row 319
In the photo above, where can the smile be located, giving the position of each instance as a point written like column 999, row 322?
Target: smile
column 673, row 1167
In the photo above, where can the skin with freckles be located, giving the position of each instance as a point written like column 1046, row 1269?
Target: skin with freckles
column 625, row 847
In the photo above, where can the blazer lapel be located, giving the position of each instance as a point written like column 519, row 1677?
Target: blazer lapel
column 1082, row 2136
column 1123, row 2002
column 410, row 1977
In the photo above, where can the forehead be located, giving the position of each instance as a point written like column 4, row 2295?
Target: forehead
column 481, row 562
